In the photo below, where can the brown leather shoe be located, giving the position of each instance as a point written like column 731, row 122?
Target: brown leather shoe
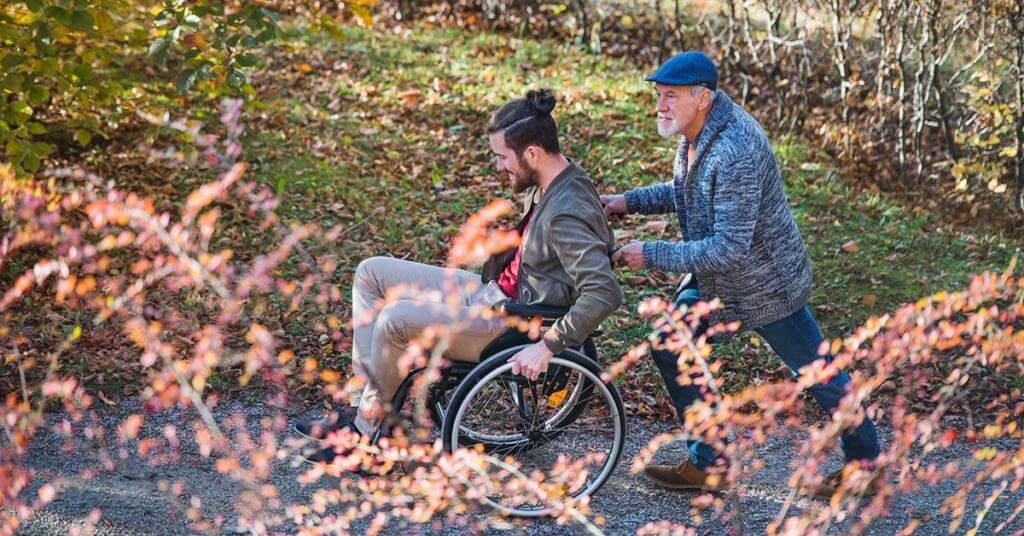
column 686, row 476
column 834, row 480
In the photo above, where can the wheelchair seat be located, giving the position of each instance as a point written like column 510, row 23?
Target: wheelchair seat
column 513, row 337
column 509, row 339
column 546, row 312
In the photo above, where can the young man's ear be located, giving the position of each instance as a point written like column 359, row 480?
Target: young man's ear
column 532, row 154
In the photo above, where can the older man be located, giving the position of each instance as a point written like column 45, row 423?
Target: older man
column 741, row 245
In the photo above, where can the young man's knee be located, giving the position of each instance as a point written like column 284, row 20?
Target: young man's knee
column 391, row 320
column 367, row 267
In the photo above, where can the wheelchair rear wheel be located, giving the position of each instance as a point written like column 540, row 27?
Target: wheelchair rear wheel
column 567, row 425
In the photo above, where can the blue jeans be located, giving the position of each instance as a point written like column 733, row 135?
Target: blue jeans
column 795, row 339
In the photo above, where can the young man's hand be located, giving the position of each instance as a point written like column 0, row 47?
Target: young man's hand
column 614, row 205
column 632, row 255
column 532, row 360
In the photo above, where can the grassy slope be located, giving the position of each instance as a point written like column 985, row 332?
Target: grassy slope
column 414, row 167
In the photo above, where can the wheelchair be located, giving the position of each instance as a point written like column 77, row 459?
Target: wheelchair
column 567, row 414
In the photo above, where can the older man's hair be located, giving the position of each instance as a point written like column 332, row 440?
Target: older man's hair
column 695, row 91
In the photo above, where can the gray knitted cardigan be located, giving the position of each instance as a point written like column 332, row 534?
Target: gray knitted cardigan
column 740, row 240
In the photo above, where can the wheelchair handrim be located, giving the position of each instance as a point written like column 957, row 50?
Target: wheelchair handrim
column 553, row 422
column 613, row 455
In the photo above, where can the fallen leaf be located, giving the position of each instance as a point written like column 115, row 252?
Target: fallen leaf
column 104, row 398
column 851, row 246
column 411, row 99
column 655, row 226
column 868, row 300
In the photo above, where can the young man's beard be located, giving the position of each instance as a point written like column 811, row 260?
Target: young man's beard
column 521, row 183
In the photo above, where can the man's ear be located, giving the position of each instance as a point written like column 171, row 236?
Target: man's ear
column 707, row 99
column 532, row 154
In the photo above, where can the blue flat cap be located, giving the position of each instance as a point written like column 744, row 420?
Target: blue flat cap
column 690, row 68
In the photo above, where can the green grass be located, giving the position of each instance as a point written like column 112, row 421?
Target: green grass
column 416, row 173
column 344, row 145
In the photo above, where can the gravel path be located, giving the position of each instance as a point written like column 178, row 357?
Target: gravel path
column 131, row 504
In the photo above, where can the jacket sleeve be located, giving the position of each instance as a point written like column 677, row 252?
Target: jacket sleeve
column 657, row 199
column 584, row 256
column 737, row 198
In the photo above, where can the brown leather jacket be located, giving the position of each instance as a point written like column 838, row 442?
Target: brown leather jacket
column 566, row 258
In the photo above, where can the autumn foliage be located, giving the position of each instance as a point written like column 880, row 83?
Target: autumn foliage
column 88, row 261
column 111, row 256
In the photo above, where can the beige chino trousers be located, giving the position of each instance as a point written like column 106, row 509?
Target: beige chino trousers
column 426, row 295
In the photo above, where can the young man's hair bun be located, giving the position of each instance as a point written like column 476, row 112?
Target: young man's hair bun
column 543, row 100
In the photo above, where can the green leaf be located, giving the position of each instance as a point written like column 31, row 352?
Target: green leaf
column 246, row 60
column 40, row 149
column 19, row 112
column 12, row 82
column 82, row 20
column 160, row 50
column 34, row 128
column 83, row 72
column 31, row 163
column 83, row 137
column 14, row 148
column 12, row 60
column 266, row 35
column 59, row 14
column 185, row 80
column 50, row 67
column 38, row 94
column 235, row 78
column 34, row 5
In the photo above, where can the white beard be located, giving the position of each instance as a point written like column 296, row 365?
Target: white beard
column 668, row 131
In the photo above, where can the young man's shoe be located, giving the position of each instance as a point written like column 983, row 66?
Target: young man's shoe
column 318, row 429
column 834, row 481
column 686, row 476
column 328, row 454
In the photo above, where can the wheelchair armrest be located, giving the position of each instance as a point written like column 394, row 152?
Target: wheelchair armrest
column 511, row 308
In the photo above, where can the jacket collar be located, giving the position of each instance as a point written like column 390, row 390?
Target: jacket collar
column 718, row 118
column 531, row 194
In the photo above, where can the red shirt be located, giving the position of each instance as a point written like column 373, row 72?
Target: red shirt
column 510, row 275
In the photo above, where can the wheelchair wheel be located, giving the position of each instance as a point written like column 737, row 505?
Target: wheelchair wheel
column 565, row 431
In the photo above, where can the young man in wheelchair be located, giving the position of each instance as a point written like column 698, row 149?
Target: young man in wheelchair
column 563, row 260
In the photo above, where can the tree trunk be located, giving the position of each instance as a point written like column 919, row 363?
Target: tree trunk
column 1017, row 24
column 945, row 119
